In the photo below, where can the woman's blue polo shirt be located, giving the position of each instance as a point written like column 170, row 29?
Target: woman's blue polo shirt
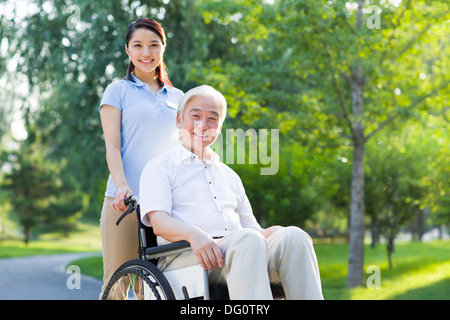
column 148, row 126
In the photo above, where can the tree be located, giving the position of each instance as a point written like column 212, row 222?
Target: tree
column 400, row 178
column 370, row 78
column 37, row 193
column 438, row 200
column 325, row 61
column 359, row 137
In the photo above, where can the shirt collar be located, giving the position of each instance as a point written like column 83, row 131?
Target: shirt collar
column 135, row 80
column 184, row 154
column 138, row 83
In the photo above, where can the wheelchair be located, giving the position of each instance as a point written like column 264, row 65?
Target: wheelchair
column 140, row 279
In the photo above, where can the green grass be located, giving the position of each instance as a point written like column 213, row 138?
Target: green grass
column 92, row 266
column 85, row 239
column 420, row 271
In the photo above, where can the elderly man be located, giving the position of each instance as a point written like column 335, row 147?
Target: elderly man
column 188, row 194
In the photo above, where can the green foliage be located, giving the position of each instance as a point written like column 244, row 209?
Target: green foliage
column 39, row 194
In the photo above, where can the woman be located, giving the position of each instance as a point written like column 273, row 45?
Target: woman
column 138, row 119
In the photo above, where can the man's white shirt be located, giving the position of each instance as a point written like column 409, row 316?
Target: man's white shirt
column 209, row 194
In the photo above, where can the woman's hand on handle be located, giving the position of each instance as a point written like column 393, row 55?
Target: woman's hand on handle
column 119, row 203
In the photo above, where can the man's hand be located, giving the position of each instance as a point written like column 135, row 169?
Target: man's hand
column 204, row 247
column 206, row 250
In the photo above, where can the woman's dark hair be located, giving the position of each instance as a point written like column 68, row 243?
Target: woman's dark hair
column 152, row 25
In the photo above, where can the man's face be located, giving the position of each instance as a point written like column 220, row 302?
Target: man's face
column 200, row 124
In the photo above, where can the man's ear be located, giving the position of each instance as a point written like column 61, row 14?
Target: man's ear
column 178, row 120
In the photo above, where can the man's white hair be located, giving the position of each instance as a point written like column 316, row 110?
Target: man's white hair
column 204, row 91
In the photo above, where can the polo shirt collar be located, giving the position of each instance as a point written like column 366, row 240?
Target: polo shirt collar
column 138, row 83
column 165, row 88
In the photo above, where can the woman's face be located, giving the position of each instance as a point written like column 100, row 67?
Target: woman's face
column 145, row 51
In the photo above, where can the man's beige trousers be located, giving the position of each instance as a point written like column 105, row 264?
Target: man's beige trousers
column 252, row 263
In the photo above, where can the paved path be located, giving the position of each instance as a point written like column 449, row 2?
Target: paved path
column 45, row 278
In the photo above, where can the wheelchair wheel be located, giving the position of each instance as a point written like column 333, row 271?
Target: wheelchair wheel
column 138, row 280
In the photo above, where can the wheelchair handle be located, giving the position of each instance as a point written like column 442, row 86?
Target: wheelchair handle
column 131, row 203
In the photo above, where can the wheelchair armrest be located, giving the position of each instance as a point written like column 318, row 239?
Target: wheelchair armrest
column 167, row 250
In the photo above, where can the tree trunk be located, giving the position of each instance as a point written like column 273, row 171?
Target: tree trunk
column 355, row 275
column 374, row 232
column 27, row 236
column 421, row 224
column 390, row 249
column 356, row 252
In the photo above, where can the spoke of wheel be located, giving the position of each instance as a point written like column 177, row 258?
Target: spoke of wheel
column 138, row 291
column 120, row 288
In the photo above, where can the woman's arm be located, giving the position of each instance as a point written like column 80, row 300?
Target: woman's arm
column 111, row 122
